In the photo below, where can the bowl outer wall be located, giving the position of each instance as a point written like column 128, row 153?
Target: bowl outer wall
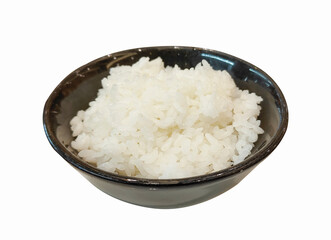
column 165, row 197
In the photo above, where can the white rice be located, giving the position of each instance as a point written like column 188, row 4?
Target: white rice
column 155, row 122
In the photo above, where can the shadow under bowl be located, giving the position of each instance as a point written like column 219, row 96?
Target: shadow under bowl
column 81, row 86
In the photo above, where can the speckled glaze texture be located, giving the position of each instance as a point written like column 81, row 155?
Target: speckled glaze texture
column 81, row 86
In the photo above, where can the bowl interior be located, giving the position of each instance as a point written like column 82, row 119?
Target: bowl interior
column 81, row 86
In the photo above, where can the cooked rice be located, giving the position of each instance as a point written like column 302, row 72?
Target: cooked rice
column 161, row 122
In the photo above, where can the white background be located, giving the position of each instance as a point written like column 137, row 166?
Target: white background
column 285, row 197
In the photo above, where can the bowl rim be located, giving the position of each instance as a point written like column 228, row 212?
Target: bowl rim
column 249, row 162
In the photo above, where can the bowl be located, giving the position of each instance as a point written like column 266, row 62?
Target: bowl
column 81, row 86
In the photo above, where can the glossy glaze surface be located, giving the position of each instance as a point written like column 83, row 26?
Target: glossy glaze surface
column 80, row 87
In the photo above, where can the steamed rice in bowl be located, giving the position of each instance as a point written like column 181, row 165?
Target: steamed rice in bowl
column 159, row 122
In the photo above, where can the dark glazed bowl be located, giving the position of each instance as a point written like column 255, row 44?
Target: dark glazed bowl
column 81, row 86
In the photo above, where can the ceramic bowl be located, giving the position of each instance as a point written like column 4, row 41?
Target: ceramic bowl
column 81, row 86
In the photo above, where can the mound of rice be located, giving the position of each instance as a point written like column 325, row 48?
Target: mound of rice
column 155, row 122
